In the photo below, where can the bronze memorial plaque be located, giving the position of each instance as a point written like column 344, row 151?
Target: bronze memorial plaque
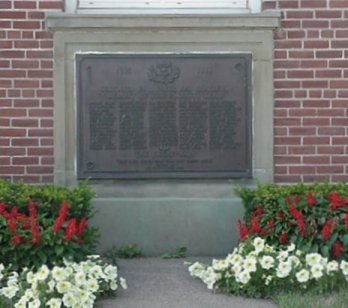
column 164, row 115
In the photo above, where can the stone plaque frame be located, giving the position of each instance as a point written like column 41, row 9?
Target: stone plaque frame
column 233, row 161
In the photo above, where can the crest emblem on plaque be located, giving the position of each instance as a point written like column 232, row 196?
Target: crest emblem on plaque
column 163, row 72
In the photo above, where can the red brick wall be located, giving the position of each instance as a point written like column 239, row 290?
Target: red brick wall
column 311, row 90
column 26, row 94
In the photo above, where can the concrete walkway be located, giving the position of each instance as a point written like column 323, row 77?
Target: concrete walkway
column 158, row 283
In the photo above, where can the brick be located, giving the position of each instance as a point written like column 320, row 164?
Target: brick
column 39, row 54
column 28, row 34
column 301, row 74
column 316, row 44
column 28, row 93
column 41, row 113
column 313, row 63
column 280, row 150
column 288, row 44
column 5, row 4
column 288, row 4
column 329, row 94
column 12, row 151
column 57, row 5
column 340, row 121
column 313, row 4
column 339, row 84
column 280, row 170
column 299, row 14
column 4, row 63
column 288, row 140
column 286, row 64
column 26, row 25
column 301, row 150
column 11, row 112
column 26, row 83
column 12, row 132
column 339, row 24
column 339, row 44
column 313, row 34
column 5, row 24
column 4, row 161
column 301, row 169
column 315, row 178
column 25, row 142
column 24, row 123
column 26, row 44
column 39, row 169
column 302, row 112
column 300, row 93
column 25, row 63
column 315, row 23
column 315, row 93
column 293, row 131
column 329, row 169
column 330, row 150
column 43, row 35
column 331, row 112
column 339, row 159
column 5, row 83
column 340, row 140
column 40, row 74
column 12, row 73
column 315, row 121
column 328, row 74
column 328, row 14
column 4, row 142
column 287, row 84
column 44, row 93
column 287, row 160
column 40, row 132
column 283, row 94
column 40, row 151
column 47, row 161
column 14, row 34
column 46, row 123
column 280, row 131
column 327, row 33
column 36, row 15
column 316, row 160
column 4, row 122
column 301, row 54
column 25, row 4
column 46, row 44
column 296, row 34
column 25, row 160
column 287, row 122
column 341, row 33
column 5, row 44
column 46, row 64
column 338, row 3
column 315, row 84
column 11, row 54
column 26, row 102
column 331, row 131
column 340, row 104
column 11, row 170
column 316, row 140
column 339, row 178
column 338, row 63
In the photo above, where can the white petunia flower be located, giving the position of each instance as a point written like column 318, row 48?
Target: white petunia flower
column 267, row 262
column 283, row 255
column 283, row 269
column 237, row 258
column 332, row 266
column 8, row 292
column 111, row 271
column 268, row 280
column 69, row 299
column 313, row 258
column 291, row 247
column 196, row 269
column 317, row 271
column 42, row 273
column 51, row 285
column 92, row 285
column 220, row 265
column 34, row 304
column 344, row 267
column 243, row 277
column 80, row 278
column 295, row 261
column 302, row 276
column 30, row 277
column 58, row 273
column 63, row 286
column 113, row 285
column 237, row 268
column 259, row 244
column 54, row 303
column 249, row 264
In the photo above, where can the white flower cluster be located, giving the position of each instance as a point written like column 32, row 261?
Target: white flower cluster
column 74, row 285
column 262, row 260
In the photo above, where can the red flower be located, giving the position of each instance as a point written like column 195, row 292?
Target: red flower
column 70, row 230
column 32, row 210
column 255, row 227
column 35, row 232
column 82, row 226
column 63, row 213
column 12, row 224
column 3, row 207
column 299, row 218
column 327, row 229
column 270, row 225
column 311, row 201
column 280, row 215
column 336, row 201
column 14, row 212
column 337, row 249
column 297, row 198
column 243, row 230
column 16, row 239
column 283, row 239
column 258, row 212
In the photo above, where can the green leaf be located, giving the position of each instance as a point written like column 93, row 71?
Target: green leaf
column 59, row 250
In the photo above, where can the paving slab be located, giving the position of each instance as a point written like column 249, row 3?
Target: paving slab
column 159, row 283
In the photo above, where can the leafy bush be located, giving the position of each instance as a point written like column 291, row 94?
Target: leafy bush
column 314, row 217
column 41, row 225
column 256, row 269
column 71, row 285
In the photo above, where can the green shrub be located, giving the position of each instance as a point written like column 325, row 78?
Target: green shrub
column 42, row 224
column 314, row 217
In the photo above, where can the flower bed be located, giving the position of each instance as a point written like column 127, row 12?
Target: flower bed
column 73, row 285
column 40, row 225
column 256, row 269
column 313, row 217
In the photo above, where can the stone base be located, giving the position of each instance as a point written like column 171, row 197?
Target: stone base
column 206, row 226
